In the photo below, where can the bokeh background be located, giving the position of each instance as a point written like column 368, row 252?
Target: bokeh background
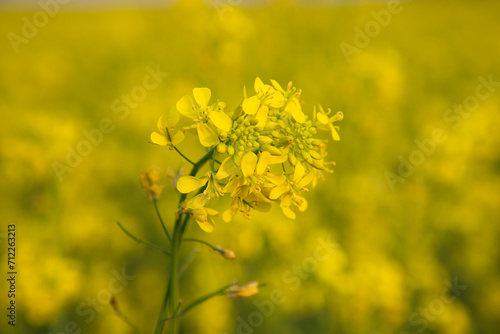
column 399, row 245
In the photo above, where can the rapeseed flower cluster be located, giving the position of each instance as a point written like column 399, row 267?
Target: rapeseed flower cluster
column 266, row 152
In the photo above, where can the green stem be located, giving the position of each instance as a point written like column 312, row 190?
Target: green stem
column 161, row 220
column 171, row 300
column 140, row 241
column 217, row 249
column 204, row 299
column 177, row 150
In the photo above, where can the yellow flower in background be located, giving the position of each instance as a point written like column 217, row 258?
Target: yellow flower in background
column 150, row 182
column 204, row 115
column 166, row 124
column 245, row 291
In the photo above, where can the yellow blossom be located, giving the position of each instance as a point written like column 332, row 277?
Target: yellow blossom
column 245, row 291
column 204, row 116
column 150, row 182
column 166, row 124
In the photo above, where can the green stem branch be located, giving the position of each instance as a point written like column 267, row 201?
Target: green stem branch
column 140, row 241
column 171, row 301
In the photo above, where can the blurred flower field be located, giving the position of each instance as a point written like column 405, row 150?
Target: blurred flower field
column 402, row 238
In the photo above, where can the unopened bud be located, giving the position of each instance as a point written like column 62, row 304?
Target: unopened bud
column 307, row 157
column 264, row 140
column 221, row 148
column 315, row 155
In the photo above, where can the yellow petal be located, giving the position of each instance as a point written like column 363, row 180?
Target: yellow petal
column 221, row 120
column 335, row 134
column 212, row 212
column 185, row 107
column 298, row 173
column 295, row 109
column 159, row 139
column 262, row 116
column 177, row 138
column 206, row 135
column 276, row 179
column 187, row 184
column 278, row 100
column 248, row 163
column 202, row 96
column 277, row 86
column 169, row 120
column 288, row 212
column 278, row 191
column 306, row 180
column 197, row 202
column 251, row 105
column 259, row 86
column 227, row 168
column 322, row 118
column 264, row 159
column 302, row 202
column 279, row 159
column 207, row 225
column 229, row 214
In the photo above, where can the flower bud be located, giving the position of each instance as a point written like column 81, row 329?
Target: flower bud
column 285, row 141
column 276, row 134
column 271, row 149
column 318, row 164
column 264, row 140
column 292, row 159
column 254, row 121
column 230, row 150
column 315, row 155
column 223, row 135
column 221, row 148
column 307, row 157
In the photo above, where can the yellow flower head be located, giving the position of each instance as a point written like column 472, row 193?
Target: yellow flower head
column 245, row 291
column 267, row 152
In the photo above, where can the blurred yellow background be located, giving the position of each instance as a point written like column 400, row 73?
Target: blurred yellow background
column 402, row 238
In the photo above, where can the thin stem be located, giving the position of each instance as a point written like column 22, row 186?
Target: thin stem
column 140, row 241
column 161, row 220
column 172, row 294
column 202, row 299
column 204, row 243
column 175, row 148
